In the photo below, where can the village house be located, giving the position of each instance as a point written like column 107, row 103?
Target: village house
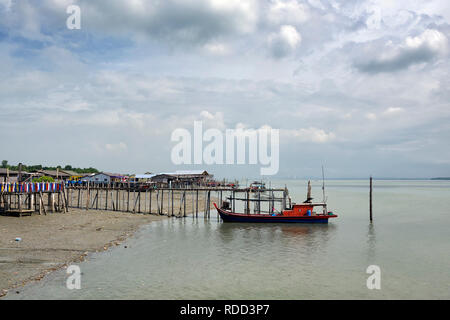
column 104, row 177
column 55, row 174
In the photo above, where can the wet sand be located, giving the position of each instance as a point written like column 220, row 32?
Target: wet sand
column 49, row 242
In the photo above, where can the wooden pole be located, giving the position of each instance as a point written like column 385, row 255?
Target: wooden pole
column 172, row 201
column 370, row 199
column 196, row 205
column 150, row 205
column 128, row 197
column 19, row 177
column 184, row 203
column 88, row 195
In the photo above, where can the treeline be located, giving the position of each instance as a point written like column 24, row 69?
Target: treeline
column 38, row 167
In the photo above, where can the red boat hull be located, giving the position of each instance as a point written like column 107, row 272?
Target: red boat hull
column 266, row 218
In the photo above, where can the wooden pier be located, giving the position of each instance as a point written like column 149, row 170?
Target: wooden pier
column 135, row 198
column 25, row 199
column 172, row 202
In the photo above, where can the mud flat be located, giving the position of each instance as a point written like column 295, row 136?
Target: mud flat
column 48, row 242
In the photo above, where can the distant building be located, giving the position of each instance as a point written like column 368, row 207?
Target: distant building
column 198, row 177
column 162, row 179
column 116, row 177
column 104, row 177
column 55, row 174
column 146, row 178
column 183, row 178
column 5, row 173
column 97, row 178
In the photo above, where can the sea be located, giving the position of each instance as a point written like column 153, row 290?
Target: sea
column 408, row 244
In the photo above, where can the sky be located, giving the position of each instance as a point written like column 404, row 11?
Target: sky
column 361, row 87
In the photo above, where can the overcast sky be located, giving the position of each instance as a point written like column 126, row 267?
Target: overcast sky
column 362, row 87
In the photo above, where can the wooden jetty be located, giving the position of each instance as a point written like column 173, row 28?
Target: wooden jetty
column 43, row 198
column 26, row 198
column 173, row 202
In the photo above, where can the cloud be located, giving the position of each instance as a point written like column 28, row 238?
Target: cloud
column 371, row 116
column 310, row 134
column 116, row 147
column 426, row 47
column 174, row 21
column 285, row 41
column 139, row 69
column 393, row 111
column 217, row 48
column 287, row 12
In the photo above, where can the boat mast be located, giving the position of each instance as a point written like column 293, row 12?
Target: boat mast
column 323, row 192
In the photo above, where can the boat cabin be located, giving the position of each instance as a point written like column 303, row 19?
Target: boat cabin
column 299, row 210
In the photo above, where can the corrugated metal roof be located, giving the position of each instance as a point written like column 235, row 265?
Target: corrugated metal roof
column 179, row 172
column 145, row 176
column 3, row 171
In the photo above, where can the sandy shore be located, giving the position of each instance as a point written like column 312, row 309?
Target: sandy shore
column 49, row 242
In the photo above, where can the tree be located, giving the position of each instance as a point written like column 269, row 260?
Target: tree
column 5, row 164
column 44, row 179
column 68, row 167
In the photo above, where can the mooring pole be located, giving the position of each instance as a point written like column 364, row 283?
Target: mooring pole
column 370, row 199
column 196, row 204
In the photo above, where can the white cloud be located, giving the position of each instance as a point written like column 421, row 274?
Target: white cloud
column 310, row 134
column 140, row 68
column 288, row 12
column 426, row 47
column 393, row 111
column 285, row 41
column 116, row 147
column 371, row 116
column 430, row 39
column 219, row 49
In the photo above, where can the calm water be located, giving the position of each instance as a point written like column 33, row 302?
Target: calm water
column 206, row 259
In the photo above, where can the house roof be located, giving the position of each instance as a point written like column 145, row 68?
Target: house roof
column 145, row 176
column 72, row 173
column 11, row 172
column 54, row 173
column 191, row 172
column 113, row 175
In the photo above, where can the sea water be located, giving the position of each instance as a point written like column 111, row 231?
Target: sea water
column 197, row 258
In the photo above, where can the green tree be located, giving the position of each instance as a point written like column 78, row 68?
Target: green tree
column 5, row 164
column 44, row 179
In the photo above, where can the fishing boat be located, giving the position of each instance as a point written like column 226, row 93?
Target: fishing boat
column 299, row 213
column 257, row 186
column 292, row 213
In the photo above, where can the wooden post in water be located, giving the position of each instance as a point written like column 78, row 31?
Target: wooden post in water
column 172, row 199
column 370, row 199
column 184, row 203
column 88, row 195
column 150, row 204
column 196, row 205
column 162, row 201
column 106, row 198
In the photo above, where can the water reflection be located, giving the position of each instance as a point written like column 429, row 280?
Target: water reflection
column 293, row 235
column 371, row 242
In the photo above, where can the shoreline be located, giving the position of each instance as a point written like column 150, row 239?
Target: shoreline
column 54, row 241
